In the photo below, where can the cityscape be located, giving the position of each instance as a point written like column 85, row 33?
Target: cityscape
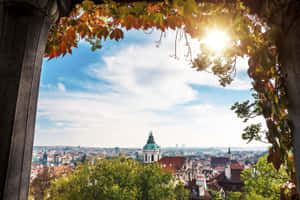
column 199, row 169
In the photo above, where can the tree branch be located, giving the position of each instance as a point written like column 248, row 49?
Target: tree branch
column 254, row 5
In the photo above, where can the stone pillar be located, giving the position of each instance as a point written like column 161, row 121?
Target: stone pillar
column 291, row 66
column 24, row 27
column 289, row 47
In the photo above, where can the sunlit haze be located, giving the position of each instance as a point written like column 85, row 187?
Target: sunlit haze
column 216, row 40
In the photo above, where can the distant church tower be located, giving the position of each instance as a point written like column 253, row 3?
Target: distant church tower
column 229, row 154
column 151, row 151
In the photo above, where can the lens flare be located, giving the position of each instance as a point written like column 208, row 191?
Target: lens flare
column 216, row 40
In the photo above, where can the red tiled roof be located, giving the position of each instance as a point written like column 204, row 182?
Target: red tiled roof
column 220, row 168
column 172, row 163
column 35, row 165
column 201, row 176
column 167, row 168
column 237, row 167
column 219, row 160
column 59, row 170
column 234, row 162
column 233, row 184
column 235, row 176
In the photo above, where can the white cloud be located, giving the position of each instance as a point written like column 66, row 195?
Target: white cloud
column 91, row 120
column 147, row 87
column 61, row 87
column 149, row 74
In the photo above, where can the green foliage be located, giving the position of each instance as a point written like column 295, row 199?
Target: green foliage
column 263, row 181
column 30, row 197
column 216, row 195
column 253, row 132
column 244, row 110
column 255, row 196
column 116, row 179
column 40, row 185
column 233, row 196
column 180, row 192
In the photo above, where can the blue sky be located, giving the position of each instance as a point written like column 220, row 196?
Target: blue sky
column 115, row 96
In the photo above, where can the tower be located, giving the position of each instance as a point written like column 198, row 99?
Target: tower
column 229, row 154
column 151, row 151
column 45, row 158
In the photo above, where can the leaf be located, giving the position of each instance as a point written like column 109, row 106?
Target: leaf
column 174, row 22
column 101, row 32
column 190, row 7
column 116, row 34
column 131, row 22
column 83, row 30
column 274, row 157
column 159, row 20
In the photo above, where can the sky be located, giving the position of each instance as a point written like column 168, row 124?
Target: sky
column 116, row 95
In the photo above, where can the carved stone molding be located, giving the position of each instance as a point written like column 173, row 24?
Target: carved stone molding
column 54, row 9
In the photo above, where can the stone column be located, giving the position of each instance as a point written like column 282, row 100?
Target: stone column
column 24, row 27
column 289, row 47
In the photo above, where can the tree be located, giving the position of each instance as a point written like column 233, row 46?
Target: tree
column 263, row 181
column 221, row 195
column 180, row 192
column 257, row 33
column 40, row 185
column 217, row 195
column 116, row 179
column 234, row 196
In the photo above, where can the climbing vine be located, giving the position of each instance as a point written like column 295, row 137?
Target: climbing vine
column 253, row 37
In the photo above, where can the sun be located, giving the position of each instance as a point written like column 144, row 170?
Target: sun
column 216, row 40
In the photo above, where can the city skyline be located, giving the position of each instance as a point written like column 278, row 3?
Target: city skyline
column 116, row 95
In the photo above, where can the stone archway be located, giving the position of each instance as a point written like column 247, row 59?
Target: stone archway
column 24, row 27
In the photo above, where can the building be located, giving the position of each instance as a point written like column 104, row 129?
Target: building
column 229, row 180
column 45, row 158
column 187, row 171
column 182, row 167
column 222, row 162
column 217, row 162
column 151, row 151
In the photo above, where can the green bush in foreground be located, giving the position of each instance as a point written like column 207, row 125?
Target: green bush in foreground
column 263, row 181
column 116, row 179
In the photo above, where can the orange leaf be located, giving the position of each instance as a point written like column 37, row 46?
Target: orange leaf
column 101, row 32
column 116, row 34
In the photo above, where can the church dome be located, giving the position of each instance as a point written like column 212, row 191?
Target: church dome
column 151, row 145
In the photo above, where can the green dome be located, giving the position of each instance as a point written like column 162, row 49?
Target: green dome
column 151, row 145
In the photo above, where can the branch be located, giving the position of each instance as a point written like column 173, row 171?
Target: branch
column 254, row 5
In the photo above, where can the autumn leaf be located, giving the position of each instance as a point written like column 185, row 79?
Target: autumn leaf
column 83, row 30
column 116, row 34
column 275, row 158
column 101, row 32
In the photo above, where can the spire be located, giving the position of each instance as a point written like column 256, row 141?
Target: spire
column 150, row 139
column 151, row 145
column 229, row 155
